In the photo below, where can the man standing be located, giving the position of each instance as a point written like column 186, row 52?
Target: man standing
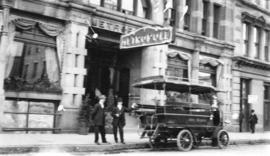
column 253, row 121
column 119, row 120
column 98, row 116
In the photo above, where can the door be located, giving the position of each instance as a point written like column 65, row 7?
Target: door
column 266, row 118
column 124, row 85
column 244, row 106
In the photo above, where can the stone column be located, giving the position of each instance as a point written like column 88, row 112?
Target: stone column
column 3, row 45
column 72, row 76
column 153, row 57
column 262, row 44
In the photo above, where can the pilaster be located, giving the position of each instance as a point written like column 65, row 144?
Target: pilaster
column 4, row 40
column 73, row 72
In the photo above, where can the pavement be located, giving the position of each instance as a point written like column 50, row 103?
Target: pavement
column 26, row 143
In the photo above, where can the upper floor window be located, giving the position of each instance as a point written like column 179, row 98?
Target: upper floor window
column 216, row 21
column 257, row 33
column 205, row 16
column 128, row 7
column 187, row 15
column 245, row 36
column 266, row 46
column 177, row 67
column 140, row 8
column 96, row 2
column 111, row 4
column 207, row 74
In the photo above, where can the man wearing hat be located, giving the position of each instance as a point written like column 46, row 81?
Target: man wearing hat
column 98, row 116
column 119, row 120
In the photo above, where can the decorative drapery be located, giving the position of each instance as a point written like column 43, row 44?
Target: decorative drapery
column 212, row 62
column 52, row 67
column 177, row 54
column 50, row 30
column 24, row 24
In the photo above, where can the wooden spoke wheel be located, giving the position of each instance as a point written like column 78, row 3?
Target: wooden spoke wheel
column 184, row 140
column 222, row 139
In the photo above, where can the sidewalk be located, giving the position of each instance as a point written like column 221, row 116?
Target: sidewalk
column 22, row 143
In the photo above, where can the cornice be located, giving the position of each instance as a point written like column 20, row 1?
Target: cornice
column 244, row 61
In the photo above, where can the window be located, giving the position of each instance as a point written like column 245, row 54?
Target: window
column 216, row 21
column 25, row 72
column 111, row 4
column 207, row 74
column 205, row 16
column 245, row 34
column 257, row 42
column 96, row 2
column 26, row 116
column 266, row 46
column 127, row 7
column 187, row 15
column 177, row 67
column 35, row 70
column 145, row 8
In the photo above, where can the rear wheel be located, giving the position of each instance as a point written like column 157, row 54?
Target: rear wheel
column 222, row 139
column 184, row 140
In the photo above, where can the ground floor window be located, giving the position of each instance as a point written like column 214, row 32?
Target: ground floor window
column 28, row 116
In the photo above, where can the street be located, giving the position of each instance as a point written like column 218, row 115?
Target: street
column 240, row 150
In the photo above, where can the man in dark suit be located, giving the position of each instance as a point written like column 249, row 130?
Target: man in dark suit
column 253, row 119
column 119, row 121
column 98, row 116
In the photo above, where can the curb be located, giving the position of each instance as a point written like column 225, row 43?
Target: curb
column 101, row 148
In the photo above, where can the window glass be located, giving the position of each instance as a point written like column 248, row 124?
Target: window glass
column 96, row 2
column 15, row 106
column 40, row 121
column 127, row 5
column 41, row 107
column 177, row 67
column 14, row 120
column 28, row 114
column 110, row 4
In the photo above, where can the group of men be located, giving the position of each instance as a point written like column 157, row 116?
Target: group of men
column 118, row 114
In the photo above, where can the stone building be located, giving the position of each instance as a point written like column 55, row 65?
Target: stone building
column 48, row 60
column 250, row 66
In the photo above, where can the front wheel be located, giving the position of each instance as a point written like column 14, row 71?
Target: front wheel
column 222, row 139
column 184, row 140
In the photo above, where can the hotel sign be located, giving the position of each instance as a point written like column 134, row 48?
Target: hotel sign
column 146, row 36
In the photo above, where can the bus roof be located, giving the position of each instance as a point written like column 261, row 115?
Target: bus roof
column 172, row 84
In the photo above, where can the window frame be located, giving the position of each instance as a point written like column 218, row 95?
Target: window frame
column 208, row 69
column 180, row 65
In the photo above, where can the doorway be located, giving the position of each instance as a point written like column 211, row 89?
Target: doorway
column 244, row 105
column 106, row 74
column 266, row 118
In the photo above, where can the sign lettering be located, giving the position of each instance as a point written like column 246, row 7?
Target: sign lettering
column 146, row 36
